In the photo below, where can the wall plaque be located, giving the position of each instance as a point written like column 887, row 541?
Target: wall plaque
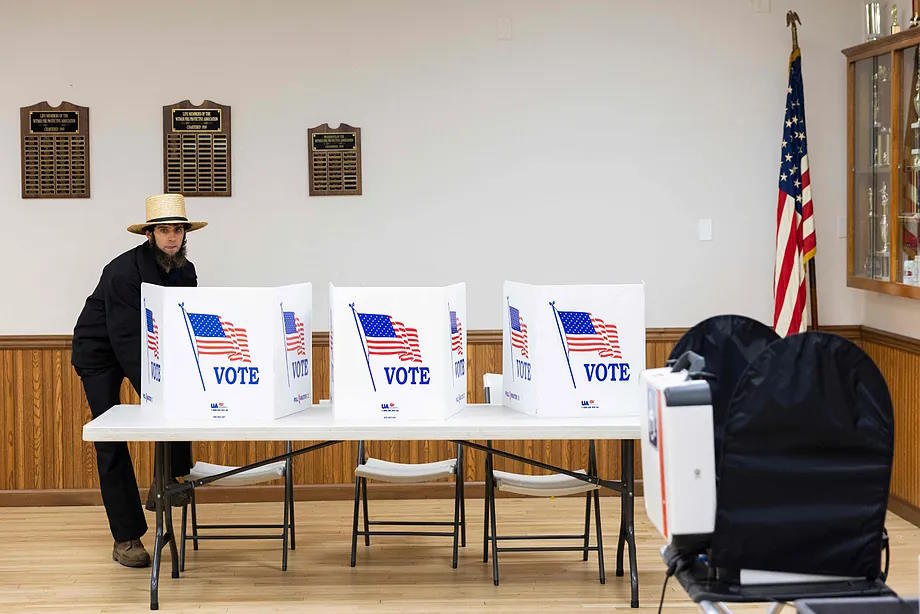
column 54, row 147
column 335, row 160
column 196, row 149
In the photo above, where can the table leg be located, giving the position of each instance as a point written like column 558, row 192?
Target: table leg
column 627, row 527
column 621, row 539
column 158, row 540
column 169, row 534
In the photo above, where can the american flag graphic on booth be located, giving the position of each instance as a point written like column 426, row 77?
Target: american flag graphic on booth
column 456, row 333
column 518, row 331
column 388, row 337
column 153, row 334
column 587, row 333
column 215, row 336
column 294, row 337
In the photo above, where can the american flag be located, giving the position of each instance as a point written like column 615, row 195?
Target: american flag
column 587, row 333
column 518, row 331
column 215, row 336
column 795, row 225
column 387, row 337
column 153, row 334
column 456, row 333
column 294, row 334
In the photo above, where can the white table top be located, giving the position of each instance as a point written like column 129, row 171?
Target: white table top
column 137, row 423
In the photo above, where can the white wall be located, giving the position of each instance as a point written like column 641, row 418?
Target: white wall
column 583, row 150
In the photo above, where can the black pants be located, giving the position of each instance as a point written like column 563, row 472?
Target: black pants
column 116, row 472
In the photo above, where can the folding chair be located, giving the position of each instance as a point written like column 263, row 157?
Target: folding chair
column 257, row 475
column 553, row 485
column 408, row 473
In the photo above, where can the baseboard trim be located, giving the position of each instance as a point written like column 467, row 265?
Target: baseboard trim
column 910, row 513
column 255, row 494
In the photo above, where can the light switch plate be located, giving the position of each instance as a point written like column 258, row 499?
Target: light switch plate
column 704, row 229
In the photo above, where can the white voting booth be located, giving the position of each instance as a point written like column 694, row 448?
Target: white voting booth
column 573, row 350
column 221, row 354
column 397, row 353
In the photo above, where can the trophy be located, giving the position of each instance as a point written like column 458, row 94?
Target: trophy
column 882, row 255
column 875, row 101
column 869, row 265
column 873, row 20
column 882, row 146
column 917, row 93
column 895, row 26
column 883, row 220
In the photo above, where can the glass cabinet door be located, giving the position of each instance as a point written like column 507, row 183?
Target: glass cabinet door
column 872, row 169
column 906, row 227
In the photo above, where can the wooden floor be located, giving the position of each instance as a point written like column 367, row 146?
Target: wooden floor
column 59, row 559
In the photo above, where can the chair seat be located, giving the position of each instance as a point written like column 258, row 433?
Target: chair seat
column 407, row 473
column 258, row 475
column 553, row 485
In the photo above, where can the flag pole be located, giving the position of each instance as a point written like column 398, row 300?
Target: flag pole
column 813, row 291
column 510, row 345
column 792, row 18
column 287, row 365
column 194, row 351
column 565, row 347
column 366, row 359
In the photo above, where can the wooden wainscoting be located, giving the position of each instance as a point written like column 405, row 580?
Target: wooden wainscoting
column 898, row 358
column 43, row 409
column 43, row 459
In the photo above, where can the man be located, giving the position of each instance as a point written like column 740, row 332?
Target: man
column 107, row 348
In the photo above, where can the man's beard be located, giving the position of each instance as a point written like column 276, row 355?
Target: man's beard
column 167, row 262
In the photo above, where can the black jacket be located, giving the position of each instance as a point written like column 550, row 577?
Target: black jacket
column 108, row 331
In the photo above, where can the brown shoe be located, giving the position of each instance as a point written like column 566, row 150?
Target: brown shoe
column 131, row 553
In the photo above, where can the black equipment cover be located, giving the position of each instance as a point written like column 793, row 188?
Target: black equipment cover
column 728, row 343
column 806, row 461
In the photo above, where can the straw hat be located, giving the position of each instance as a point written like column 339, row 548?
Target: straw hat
column 165, row 209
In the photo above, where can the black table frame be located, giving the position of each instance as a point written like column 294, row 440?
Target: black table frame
column 165, row 535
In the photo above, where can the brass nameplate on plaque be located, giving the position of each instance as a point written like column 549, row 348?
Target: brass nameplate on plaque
column 334, row 140
column 196, row 149
column 334, row 160
column 54, row 150
column 54, row 121
column 196, row 120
